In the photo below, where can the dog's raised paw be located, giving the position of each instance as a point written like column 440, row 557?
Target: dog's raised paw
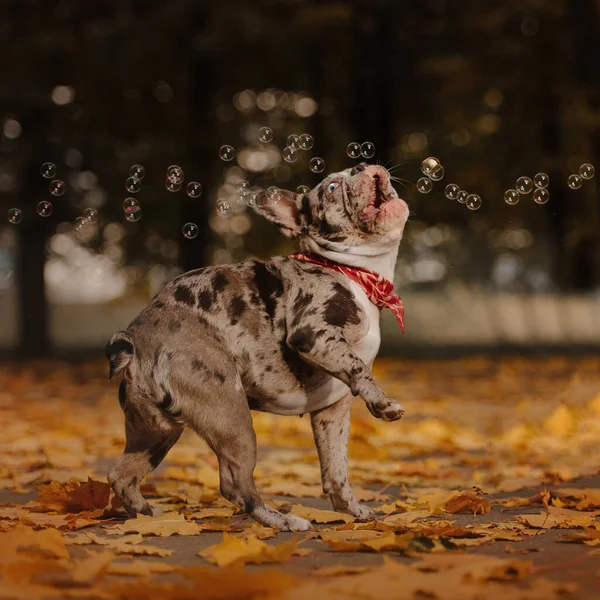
column 387, row 410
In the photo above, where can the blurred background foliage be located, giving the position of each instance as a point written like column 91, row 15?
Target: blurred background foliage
column 494, row 89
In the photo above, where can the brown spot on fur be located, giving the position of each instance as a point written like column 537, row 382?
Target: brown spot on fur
column 205, row 299
column 184, row 295
column 341, row 309
column 238, row 306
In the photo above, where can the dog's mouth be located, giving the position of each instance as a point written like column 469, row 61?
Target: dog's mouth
column 376, row 201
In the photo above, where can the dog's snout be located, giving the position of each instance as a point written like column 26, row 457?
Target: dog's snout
column 358, row 168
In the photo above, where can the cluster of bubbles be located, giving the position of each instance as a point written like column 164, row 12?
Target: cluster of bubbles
column 132, row 209
column 295, row 143
column 57, row 187
column 364, row 150
column 433, row 170
column 291, row 152
column 586, row 171
column 90, row 216
column 525, row 185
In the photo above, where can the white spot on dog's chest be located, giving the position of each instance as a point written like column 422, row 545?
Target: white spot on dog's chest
column 368, row 346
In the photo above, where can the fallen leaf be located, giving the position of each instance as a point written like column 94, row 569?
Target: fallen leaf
column 165, row 525
column 320, row 516
column 139, row 567
column 236, row 550
column 23, row 540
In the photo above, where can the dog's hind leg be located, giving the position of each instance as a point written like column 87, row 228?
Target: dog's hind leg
column 330, row 428
column 145, row 449
column 221, row 416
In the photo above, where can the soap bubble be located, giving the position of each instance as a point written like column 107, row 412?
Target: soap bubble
column 80, row 224
column 44, row 208
column 524, row 185
column 429, row 165
column 367, row 149
column 473, row 202
column 462, row 196
column 226, row 153
column 541, row 180
column 574, row 182
column 48, row 170
column 190, row 231
column 302, row 189
column 306, row 141
column 587, row 171
column 171, row 186
column 273, row 192
column 437, row 173
column 91, row 214
column 353, row 150
column 133, row 185
column 250, row 198
column 424, row 185
column 451, row 191
column 223, row 208
column 137, row 171
column 57, row 187
column 290, row 154
column 15, row 216
column 175, row 174
column 193, row 189
column 96, row 274
column 541, row 195
column 316, row 164
column 265, row 135
column 293, row 141
column 134, row 217
column 512, row 197
column 130, row 206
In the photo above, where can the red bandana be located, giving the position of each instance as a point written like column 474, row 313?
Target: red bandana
column 379, row 290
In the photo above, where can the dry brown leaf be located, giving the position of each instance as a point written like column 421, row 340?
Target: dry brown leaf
column 76, row 497
column 23, row 540
column 139, row 567
column 210, row 513
column 557, row 518
column 468, row 503
column 128, row 544
column 165, row 525
column 44, row 520
column 320, row 516
column 235, row 550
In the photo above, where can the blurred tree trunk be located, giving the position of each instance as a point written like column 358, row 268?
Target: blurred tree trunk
column 204, row 68
column 375, row 35
column 34, row 233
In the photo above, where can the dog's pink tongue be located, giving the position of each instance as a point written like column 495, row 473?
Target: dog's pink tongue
column 393, row 209
column 370, row 213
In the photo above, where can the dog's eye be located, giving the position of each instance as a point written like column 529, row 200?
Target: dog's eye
column 332, row 187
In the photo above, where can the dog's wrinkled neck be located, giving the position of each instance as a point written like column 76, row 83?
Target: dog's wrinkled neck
column 382, row 263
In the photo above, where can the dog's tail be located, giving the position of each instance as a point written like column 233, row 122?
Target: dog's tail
column 119, row 352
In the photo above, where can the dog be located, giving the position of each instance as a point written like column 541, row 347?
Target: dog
column 290, row 335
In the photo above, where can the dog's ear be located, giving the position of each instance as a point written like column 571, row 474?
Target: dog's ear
column 283, row 209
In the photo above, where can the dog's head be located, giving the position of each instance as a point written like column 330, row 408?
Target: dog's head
column 356, row 211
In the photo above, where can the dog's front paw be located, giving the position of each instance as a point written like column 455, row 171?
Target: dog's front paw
column 294, row 523
column 386, row 409
column 362, row 512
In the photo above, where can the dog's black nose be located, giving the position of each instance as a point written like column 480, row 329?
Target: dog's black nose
column 358, row 168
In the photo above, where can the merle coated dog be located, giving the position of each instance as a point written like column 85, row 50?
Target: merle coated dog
column 284, row 336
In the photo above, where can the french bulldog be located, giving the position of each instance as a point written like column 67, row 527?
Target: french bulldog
column 286, row 336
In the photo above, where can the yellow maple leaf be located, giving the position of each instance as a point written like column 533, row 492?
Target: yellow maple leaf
column 320, row 516
column 236, row 550
column 164, row 525
column 561, row 423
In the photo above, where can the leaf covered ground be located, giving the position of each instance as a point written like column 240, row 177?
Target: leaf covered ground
column 488, row 488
